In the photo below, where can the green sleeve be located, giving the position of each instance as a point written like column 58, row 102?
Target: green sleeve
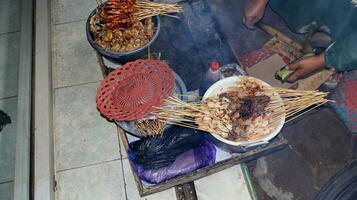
column 342, row 54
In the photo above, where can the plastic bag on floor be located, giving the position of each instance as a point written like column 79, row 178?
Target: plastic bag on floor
column 160, row 151
column 4, row 120
column 202, row 155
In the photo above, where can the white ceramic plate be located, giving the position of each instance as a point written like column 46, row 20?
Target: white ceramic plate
column 222, row 86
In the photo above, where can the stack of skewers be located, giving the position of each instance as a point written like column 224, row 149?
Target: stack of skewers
column 245, row 112
column 124, row 13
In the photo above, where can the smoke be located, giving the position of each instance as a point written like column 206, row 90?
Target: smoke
column 209, row 30
column 242, row 40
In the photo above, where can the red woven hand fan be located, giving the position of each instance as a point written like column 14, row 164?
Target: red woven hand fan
column 130, row 92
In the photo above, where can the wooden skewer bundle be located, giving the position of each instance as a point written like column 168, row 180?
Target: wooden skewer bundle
column 150, row 127
column 186, row 114
column 148, row 9
column 296, row 102
column 124, row 13
column 209, row 115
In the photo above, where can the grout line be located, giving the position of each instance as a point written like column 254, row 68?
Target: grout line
column 54, row 125
column 117, row 134
column 125, row 185
column 10, row 32
column 69, row 22
column 89, row 165
column 79, row 84
column 8, row 181
column 122, row 165
column 9, row 97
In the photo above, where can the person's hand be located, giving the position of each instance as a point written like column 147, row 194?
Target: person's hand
column 306, row 66
column 253, row 12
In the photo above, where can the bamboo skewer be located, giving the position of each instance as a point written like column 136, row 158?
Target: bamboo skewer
column 211, row 114
column 292, row 118
column 146, row 9
column 121, row 14
column 150, row 127
column 290, row 105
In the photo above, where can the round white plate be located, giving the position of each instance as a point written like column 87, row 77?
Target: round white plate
column 222, row 86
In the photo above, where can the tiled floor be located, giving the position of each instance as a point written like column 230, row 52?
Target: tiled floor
column 227, row 184
column 105, row 182
column 7, row 141
column 64, row 11
column 90, row 164
column 74, row 60
column 9, row 57
column 82, row 136
column 6, row 190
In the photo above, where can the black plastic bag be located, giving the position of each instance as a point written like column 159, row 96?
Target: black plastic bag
column 160, row 151
column 4, row 120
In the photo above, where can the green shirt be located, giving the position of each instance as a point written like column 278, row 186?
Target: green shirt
column 340, row 16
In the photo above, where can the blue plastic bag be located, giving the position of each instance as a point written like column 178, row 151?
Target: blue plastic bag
column 202, row 155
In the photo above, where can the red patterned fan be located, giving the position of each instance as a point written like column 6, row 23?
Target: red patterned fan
column 131, row 91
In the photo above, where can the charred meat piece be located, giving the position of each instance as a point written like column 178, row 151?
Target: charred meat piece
column 261, row 102
column 250, row 106
column 118, row 13
column 246, row 109
column 243, row 108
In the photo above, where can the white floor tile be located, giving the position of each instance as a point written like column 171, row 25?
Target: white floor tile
column 82, row 135
column 9, row 60
column 68, row 10
column 228, row 184
column 98, row 182
column 8, row 141
column 73, row 60
column 7, row 191
column 132, row 190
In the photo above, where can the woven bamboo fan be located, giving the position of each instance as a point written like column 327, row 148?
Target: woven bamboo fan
column 131, row 91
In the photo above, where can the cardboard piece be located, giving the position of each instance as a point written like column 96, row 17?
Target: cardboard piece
column 314, row 81
column 266, row 69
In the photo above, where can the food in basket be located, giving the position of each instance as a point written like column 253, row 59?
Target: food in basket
column 126, row 25
column 120, row 37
